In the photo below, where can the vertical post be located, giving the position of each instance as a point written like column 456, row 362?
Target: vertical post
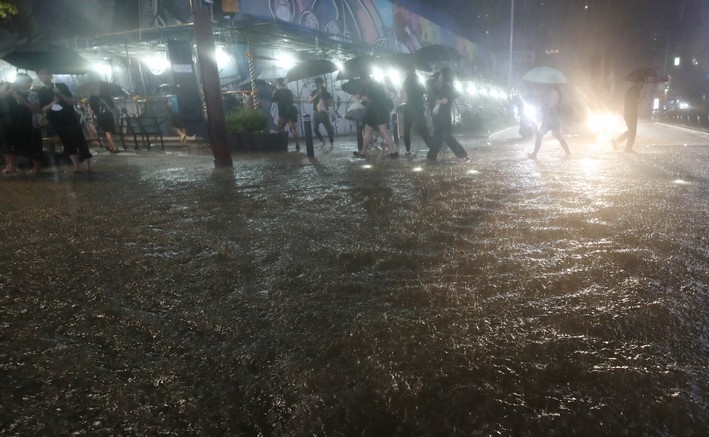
column 209, row 75
column 395, row 128
column 308, row 133
column 512, row 34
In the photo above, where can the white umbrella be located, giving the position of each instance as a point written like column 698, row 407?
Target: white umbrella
column 546, row 75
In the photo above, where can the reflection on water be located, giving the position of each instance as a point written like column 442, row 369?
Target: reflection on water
column 160, row 295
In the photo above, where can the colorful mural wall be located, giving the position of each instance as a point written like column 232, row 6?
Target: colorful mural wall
column 376, row 22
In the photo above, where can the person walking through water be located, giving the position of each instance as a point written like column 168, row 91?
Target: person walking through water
column 25, row 117
column 321, row 100
column 442, row 96
column 376, row 116
column 551, row 119
column 103, row 113
column 414, row 115
column 630, row 114
column 57, row 103
column 287, row 111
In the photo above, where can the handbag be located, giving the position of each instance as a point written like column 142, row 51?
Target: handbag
column 356, row 111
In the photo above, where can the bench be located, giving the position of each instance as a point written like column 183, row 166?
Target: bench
column 142, row 129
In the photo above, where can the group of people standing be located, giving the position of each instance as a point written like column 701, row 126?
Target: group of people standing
column 21, row 112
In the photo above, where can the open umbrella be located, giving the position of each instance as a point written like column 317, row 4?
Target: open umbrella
column 356, row 67
column 437, row 54
column 545, row 75
column 264, row 88
column 57, row 59
column 647, row 75
column 307, row 69
column 352, row 86
column 100, row 88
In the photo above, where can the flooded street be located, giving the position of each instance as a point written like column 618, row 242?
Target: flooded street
column 288, row 297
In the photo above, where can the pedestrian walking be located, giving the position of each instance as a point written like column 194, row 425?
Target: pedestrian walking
column 441, row 99
column 287, row 111
column 630, row 115
column 9, row 154
column 321, row 100
column 376, row 116
column 413, row 115
column 103, row 114
column 25, row 116
column 551, row 118
column 57, row 103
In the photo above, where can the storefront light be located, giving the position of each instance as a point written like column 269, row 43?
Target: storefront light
column 285, row 60
column 157, row 63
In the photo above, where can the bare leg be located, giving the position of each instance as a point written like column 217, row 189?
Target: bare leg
column 384, row 133
column 562, row 141
column 75, row 163
column 111, row 144
column 367, row 139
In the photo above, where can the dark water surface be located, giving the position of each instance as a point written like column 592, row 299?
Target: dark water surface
column 161, row 296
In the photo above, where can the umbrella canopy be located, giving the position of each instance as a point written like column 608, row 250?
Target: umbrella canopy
column 57, row 59
column 647, row 75
column 357, row 67
column 263, row 87
column 307, row 69
column 545, row 75
column 100, row 88
column 352, row 86
column 403, row 61
column 436, row 54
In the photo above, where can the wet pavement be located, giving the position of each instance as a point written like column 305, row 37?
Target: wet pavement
column 336, row 296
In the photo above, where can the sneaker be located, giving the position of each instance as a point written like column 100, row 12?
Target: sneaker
column 356, row 154
column 407, row 154
column 464, row 159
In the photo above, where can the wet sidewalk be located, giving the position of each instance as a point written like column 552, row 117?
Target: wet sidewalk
column 289, row 296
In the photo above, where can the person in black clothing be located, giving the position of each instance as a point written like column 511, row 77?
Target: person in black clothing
column 8, row 151
column 321, row 100
column 378, row 106
column 287, row 111
column 630, row 114
column 57, row 103
column 441, row 99
column 25, row 135
column 414, row 109
column 103, row 108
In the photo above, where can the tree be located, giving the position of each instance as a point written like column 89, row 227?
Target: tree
column 7, row 8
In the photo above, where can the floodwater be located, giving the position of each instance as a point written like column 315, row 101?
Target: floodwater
column 288, row 297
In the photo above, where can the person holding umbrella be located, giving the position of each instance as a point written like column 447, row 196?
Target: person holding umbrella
column 441, row 98
column 57, row 103
column 321, row 100
column 25, row 135
column 376, row 116
column 551, row 118
column 287, row 111
column 414, row 109
column 630, row 115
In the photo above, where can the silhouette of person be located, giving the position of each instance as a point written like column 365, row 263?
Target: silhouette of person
column 57, row 103
column 414, row 115
column 321, row 100
column 287, row 111
column 441, row 97
column 551, row 119
column 630, row 115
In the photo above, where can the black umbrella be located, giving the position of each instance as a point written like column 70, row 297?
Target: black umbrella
column 647, row 75
column 436, row 54
column 100, row 88
column 307, row 69
column 352, row 86
column 403, row 61
column 57, row 59
column 358, row 66
column 264, row 88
